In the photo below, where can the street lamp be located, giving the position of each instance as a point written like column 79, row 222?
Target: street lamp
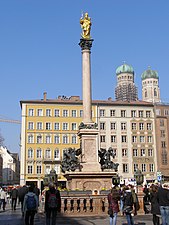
column 139, row 177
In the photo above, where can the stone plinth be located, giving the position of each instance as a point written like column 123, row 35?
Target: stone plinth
column 90, row 180
column 89, row 146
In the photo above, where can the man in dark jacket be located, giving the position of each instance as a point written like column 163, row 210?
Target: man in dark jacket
column 14, row 196
column 163, row 200
column 22, row 192
column 52, row 204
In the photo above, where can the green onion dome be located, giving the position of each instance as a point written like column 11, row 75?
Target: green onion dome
column 124, row 69
column 149, row 74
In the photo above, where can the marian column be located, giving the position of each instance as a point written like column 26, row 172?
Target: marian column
column 87, row 131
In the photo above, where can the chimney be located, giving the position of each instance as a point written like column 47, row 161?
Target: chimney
column 44, row 96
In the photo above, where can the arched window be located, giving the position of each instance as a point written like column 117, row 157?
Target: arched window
column 145, row 93
column 155, row 92
column 57, row 154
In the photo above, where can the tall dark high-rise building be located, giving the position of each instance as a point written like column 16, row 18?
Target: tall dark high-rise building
column 125, row 89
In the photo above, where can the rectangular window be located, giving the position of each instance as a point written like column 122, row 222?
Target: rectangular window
column 151, row 167
column 134, row 139
column 142, row 139
column 112, row 113
column 30, row 169
column 57, row 169
column 150, row 152
column 143, row 152
column 113, row 138
column 135, row 152
column 166, row 112
column 113, row 126
column 57, row 112
column 39, row 139
column 65, row 126
column 134, row 126
column 57, row 139
column 158, row 112
column 149, row 139
column 161, row 122
column 164, row 157
column 39, row 125
column 124, row 152
column 74, row 113
column 39, row 169
column 30, row 153
column 39, row 112
column 30, row 139
column 65, row 139
column 57, row 126
column 141, row 126
column 48, row 126
column 65, row 113
column 47, row 154
column 125, row 168
column 74, row 139
column 135, row 167
column 133, row 113
column 102, row 112
column 48, row 139
column 48, row 112
column 30, row 126
column 143, row 167
column 39, row 153
column 123, row 138
column 123, row 126
column 163, row 144
column 140, row 113
column 149, row 126
column 102, row 138
column 102, row 126
column 74, row 126
column 81, row 113
column 163, row 133
column 123, row 113
column 31, row 112
column 56, row 154
column 148, row 114
column 47, row 169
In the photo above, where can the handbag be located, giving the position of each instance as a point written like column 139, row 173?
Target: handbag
column 128, row 209
column 110, row 211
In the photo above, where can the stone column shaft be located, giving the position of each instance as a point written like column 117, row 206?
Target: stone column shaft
column 86, row 79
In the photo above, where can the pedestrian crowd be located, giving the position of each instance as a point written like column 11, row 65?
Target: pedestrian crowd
column 124, row 200
column 28, row 197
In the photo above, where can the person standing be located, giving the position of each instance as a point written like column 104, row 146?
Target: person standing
column 30, row 206
column 155, row 208
column 3, row 198
column 14, row 196
column 21, row 193
column 0, row 197
column 52, row 204
column 113, row 199
column 36, row 190
column 128, row 205
column 163, row 200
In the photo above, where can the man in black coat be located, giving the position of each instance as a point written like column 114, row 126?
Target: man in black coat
column 22, row 192
column 163, row 200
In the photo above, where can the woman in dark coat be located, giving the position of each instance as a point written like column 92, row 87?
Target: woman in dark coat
column 155, row 208
column 113, row 199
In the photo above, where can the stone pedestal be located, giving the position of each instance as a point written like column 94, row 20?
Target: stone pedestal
column 89, row 146
column 90, row 180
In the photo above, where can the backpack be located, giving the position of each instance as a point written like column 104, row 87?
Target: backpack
column 31, row 202
column 52, row 200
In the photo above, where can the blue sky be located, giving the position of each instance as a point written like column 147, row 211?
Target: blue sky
column 39, row 50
